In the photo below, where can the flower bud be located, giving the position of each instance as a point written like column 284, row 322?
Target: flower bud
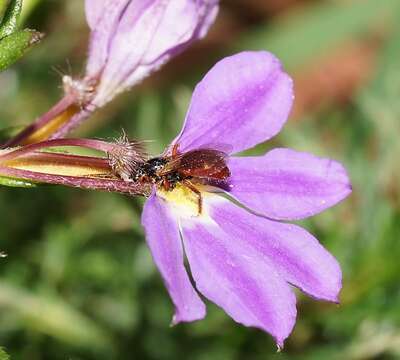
column 132, row 38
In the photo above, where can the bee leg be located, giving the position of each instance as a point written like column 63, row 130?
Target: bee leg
column 175, row 149
column 198, row 194
column 166, row 185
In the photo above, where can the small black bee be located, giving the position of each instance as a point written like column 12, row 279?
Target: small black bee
column 201, row 166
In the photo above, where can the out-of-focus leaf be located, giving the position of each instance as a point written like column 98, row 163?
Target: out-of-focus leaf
column 5, row 181
column 375, row 340
column 4, row 355
column 8, row 132
column 14, row 46
column 10, row 20
column 53, row 317
column 380, row 98
column 28, row 7
column 3, row 8
column 379, row 102
column 150, row 129
column 311, row 32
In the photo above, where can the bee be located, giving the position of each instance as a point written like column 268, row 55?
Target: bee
column 191, row 168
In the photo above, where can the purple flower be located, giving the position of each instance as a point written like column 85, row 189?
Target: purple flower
column 243, row 257
column 131, row 38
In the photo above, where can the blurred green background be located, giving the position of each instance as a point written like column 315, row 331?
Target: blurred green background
column 79, row 282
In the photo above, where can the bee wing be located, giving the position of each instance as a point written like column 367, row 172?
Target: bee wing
column 201, row 163
column 204, row 163
column 171, row 165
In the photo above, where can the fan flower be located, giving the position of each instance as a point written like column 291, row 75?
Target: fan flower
column 244, row 258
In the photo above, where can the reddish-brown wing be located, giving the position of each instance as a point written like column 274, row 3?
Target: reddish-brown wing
column 203, row 164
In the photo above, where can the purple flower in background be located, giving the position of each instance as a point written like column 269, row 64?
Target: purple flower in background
column 243, row 257
column 132, row 38
column 129, row 39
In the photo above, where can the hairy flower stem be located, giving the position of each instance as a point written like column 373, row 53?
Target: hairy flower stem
column 62, row 160
column 86, row 143
column 111, row 185
column 73, row 122
column 33, row 164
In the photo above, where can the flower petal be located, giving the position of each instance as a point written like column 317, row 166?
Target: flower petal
column 207, row 12
column 243, row 100
column 103, row 18
column 294, row 252
column 162, row 235
column 285, row 184
column 148, row 35
column 95, row 9
column 239, row 279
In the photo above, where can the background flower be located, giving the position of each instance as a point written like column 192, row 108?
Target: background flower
column 132, row 38
column 129, row 39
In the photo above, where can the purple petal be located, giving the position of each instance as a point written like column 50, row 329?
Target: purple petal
column 149, row 33
column 208, row 11
column 243, row 100
column 94, row 10
column 294, row 253
column 162, row 235
column 103, row 17
column 285, row 184
column 239, row 279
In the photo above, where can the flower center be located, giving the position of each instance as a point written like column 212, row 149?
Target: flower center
column 184, row 201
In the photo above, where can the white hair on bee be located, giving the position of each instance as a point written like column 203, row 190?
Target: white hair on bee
column 126, row 156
